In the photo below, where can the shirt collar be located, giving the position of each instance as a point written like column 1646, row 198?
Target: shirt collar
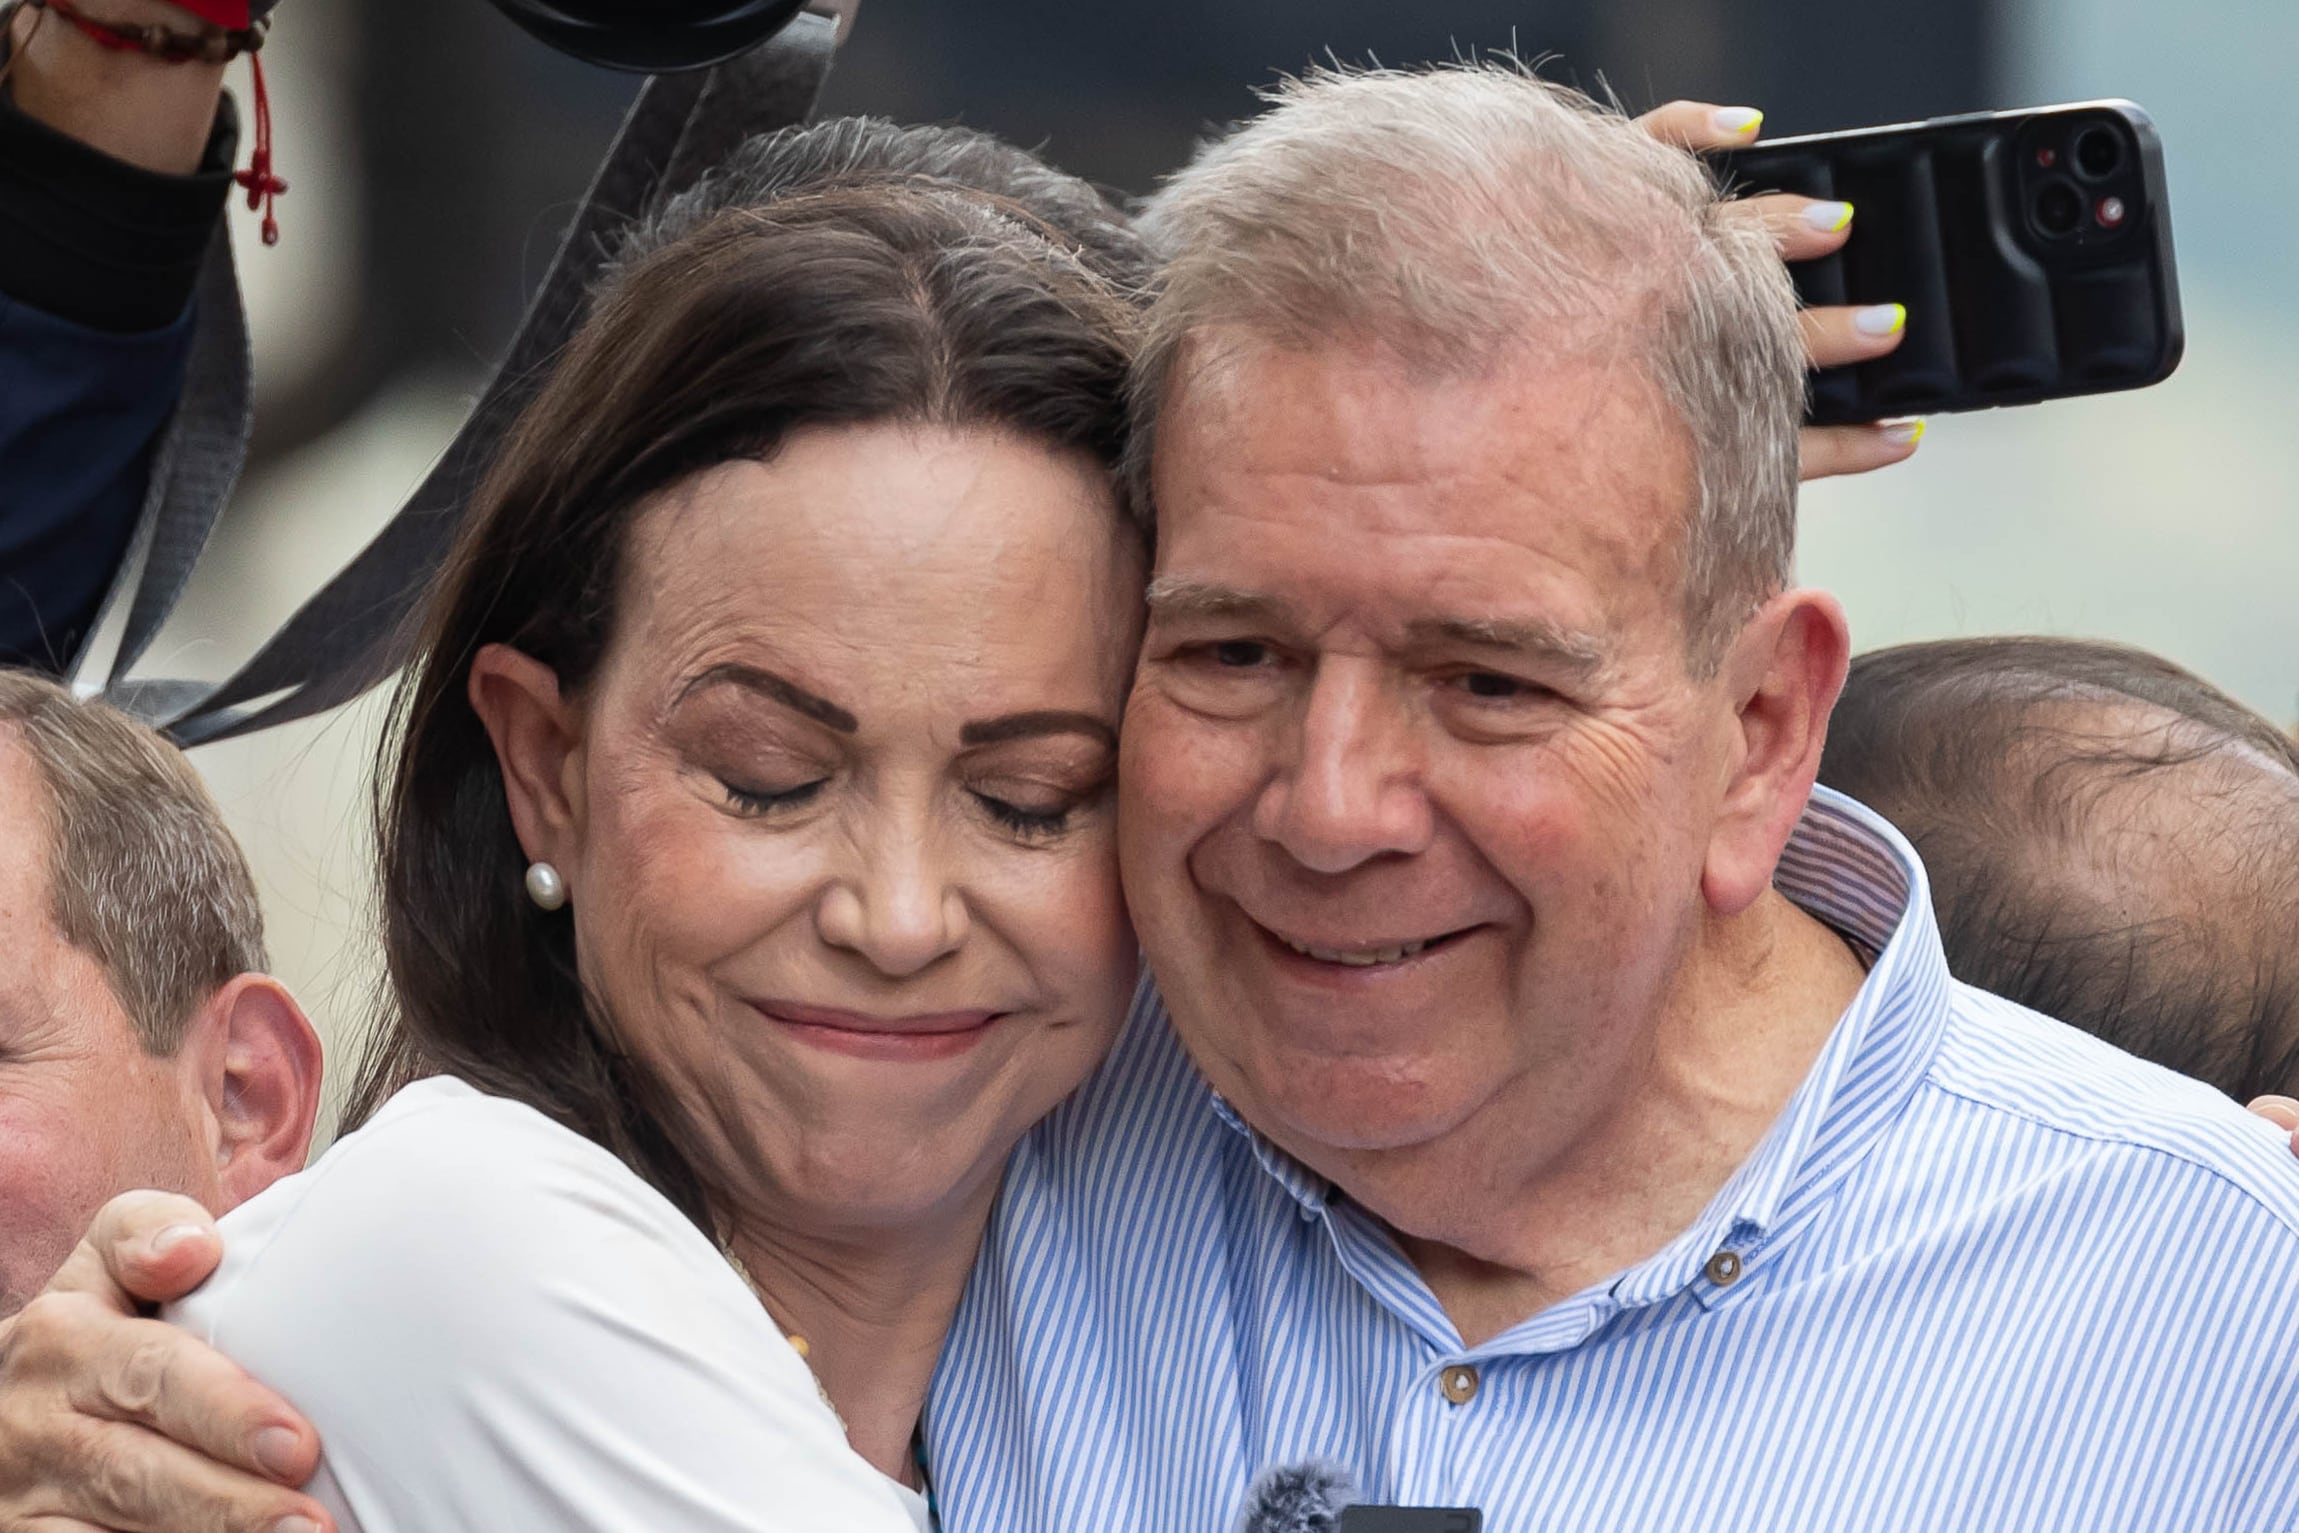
column 1848, row 867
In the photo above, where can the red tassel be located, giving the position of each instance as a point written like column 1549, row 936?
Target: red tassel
column 263, row 187
column 95, row 31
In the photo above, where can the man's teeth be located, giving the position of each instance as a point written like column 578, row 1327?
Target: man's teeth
column 1357, row 958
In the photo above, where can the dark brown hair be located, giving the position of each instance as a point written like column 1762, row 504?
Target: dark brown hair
column 2031, row 802
column 143, row 874
column 845, row 304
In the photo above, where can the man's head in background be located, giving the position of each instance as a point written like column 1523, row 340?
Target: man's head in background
column 2111, row 840
column 140, row 1043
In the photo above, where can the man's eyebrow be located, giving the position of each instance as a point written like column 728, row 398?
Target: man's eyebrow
column 1581, row 653
column 781, row 689
column 1171, row 596
column 1024, row 726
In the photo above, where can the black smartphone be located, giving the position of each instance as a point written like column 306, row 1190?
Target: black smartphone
column 1410, row 1519
column 2032, row 249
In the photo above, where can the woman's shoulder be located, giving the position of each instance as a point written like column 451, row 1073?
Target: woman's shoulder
column 445, row 1168
column 493, row 1322
column 483, row 1193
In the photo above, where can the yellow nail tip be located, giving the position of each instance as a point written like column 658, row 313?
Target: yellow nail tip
column 1899, row 318
column 1843, row 219
column 1916, row 433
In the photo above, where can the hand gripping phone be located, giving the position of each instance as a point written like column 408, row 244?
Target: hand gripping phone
column 2032, row 249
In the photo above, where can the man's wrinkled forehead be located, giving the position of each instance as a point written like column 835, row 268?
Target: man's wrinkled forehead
column 1580, row 451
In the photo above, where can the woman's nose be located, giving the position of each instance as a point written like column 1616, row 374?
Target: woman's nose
column 900, row 913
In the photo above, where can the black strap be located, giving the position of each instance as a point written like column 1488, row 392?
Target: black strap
column 360, row 627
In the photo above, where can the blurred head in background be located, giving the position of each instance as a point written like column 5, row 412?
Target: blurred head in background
column 141, row 1045
column 2111, row 840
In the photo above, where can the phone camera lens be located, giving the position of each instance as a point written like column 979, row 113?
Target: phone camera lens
column 2059, row 208
column 2098, row 152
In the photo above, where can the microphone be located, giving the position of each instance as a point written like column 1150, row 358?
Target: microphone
column 1297, row 1498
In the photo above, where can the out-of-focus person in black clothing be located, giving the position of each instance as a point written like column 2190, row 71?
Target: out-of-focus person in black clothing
column 114, row 167
column 2111, row 840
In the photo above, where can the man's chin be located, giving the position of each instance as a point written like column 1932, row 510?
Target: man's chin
column 1348, row 1108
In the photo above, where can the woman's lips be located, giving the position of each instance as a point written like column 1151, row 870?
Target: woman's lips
column 930, row 1035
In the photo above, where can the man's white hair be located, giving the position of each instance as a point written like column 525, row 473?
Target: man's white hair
column 1471, row 218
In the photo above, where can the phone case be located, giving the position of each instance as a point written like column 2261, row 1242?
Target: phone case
column 2032, row 249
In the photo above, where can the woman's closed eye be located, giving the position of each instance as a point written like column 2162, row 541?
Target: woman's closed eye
column 1023, row 820
column 759, row 802
column 1033, row 808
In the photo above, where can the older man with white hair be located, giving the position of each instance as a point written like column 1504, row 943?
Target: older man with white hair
column 1554, row 1105
column 1577, row 1120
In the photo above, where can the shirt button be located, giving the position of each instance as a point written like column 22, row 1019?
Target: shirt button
column 1723, row 1268
column 1458, row 1384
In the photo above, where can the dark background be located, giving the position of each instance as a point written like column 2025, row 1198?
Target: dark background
column 476, row 141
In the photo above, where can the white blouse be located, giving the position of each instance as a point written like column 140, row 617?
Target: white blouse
column 496, row 1325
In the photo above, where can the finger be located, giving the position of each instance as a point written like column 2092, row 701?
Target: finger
column 150, row 1374
column 1836, row 336
column 1703, row 125
column 126, row 1480
column 1832, row 450
column 1802, row 228
column 150, row 1246
column 2283, row 1112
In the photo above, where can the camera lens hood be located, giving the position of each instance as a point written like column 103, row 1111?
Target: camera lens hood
column 652, row 36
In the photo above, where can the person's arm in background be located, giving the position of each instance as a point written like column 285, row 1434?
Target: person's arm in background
column 114, row 169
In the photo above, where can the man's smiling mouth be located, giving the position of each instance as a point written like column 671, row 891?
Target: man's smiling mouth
column 1365, row 955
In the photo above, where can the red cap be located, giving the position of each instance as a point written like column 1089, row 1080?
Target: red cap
column 231, row 15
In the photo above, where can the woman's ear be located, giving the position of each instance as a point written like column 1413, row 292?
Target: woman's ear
column 539, row 745
column 1783, row 672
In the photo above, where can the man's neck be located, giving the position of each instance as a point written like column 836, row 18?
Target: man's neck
column 1500, row 1235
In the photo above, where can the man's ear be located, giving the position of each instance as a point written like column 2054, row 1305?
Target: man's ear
column 255, row 1062
column 538, row 743
column 1783, row 674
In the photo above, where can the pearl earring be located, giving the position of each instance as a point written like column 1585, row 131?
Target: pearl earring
column 545, row 887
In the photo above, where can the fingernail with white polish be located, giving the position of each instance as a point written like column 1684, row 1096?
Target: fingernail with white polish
column 1904, row 433
column 1880, row 319
column 1737, row 120
column 295, row 1525
column 1828, row 217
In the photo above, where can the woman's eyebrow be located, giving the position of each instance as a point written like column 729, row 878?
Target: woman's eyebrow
column 781, row 689
column 1019, row 726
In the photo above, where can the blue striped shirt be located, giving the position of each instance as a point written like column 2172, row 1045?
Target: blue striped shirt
column 1984, row 1272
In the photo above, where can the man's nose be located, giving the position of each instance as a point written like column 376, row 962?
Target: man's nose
column 1352, row 789
column 901, row 910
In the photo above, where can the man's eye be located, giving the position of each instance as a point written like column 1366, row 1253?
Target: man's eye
column 1489, row 686
column 1240, row 653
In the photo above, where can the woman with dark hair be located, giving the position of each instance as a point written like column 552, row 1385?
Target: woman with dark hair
column 748, row 884
column 749, row 887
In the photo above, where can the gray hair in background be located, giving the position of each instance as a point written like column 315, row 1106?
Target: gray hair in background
column 1472, row 218
column 144, row 875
